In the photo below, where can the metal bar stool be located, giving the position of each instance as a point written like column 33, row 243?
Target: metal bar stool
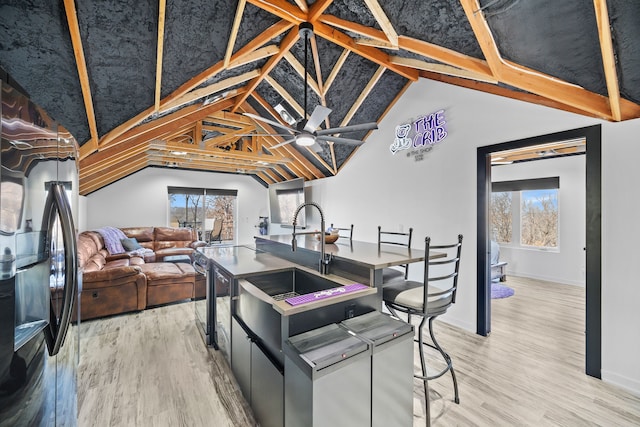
column 344, row 233
column 399, row 239
column 429, row 299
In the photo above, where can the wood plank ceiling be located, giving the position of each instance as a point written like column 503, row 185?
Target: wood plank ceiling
column 182, row 105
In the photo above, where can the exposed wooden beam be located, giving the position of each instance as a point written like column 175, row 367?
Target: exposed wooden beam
column 197, row 131
column 267, row 179
column 372, row 54
column 300, row 70
column 356, row 28
column 383, row 21
column 441, row 68
column 302, row 4
column 282, row 9
column 336, row 69
column 256, row 55
column 230, row 135
column 233, row 119
column 211, row 89
column 234, row 32
column 375, row 43
column 288, row 41
column 124, row 170
column 536, row 82
column 333, row 156
column 483, row 34
column 608, row 58
column 284, row 94
column 270, row 33
column 283, row 172
column 152, row 129
column 445, row 55
column 232, row 156
column 321, row 160
column 316, row 63
column 81, row 65
column 318, row 9
column 159, row 48
column 363, row 94
column 265, row 36
column 504, row 92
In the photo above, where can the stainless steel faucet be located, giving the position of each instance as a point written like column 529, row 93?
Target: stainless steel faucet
column 323, row 266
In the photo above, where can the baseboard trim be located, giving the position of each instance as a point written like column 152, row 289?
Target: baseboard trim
column 546, row 279
column 626, row 383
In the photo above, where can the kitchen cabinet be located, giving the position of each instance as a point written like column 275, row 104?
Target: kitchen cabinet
column 260, row 378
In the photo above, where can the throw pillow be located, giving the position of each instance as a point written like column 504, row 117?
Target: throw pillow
column 130, row 244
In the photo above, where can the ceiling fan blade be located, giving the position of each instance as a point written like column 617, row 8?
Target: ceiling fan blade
column 288, row 141
column 351, row 128
column 319, row 114
column 271, row 122
column 338, row 139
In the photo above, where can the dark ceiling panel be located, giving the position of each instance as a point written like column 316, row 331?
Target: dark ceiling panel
column 353, row 10
column 559, row 38
column 35, row 49
column 351, row 81
column 625, row 22
column 329, row 53
column 441, row 22
column 119, row 41
column 196, row 37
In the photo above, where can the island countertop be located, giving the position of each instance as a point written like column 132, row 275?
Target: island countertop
column 243, row 261
column 366, row 254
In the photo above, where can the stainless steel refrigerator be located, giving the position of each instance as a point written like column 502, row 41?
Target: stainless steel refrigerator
column 39, row 280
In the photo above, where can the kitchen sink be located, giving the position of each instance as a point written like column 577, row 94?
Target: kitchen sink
column 285, row 284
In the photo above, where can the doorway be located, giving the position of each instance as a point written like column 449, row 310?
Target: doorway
column 592, row 135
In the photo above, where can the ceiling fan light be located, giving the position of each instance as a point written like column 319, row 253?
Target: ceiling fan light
column 305, row 140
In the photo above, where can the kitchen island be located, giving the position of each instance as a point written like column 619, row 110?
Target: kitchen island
column 250, row 313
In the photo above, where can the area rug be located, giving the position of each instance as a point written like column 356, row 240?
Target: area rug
column 500, row 291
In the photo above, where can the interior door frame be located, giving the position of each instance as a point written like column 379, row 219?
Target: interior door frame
column 593, row 174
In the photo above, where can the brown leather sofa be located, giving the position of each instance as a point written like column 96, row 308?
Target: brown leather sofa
column 165, row 241
column 131, row 281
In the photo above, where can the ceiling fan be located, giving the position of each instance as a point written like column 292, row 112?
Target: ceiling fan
column 306, row 132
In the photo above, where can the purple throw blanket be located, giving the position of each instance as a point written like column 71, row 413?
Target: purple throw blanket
column 112, row 239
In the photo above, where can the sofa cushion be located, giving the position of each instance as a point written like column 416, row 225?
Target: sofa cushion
column 130, row 244
column 144, row 235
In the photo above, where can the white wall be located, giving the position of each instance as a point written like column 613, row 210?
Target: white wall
column 567, row 263
column 437, row 196
column 141, row 199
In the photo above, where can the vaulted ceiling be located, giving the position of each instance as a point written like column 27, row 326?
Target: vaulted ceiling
column 165, row 83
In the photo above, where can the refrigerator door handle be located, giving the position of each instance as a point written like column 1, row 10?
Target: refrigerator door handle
column 58, row 204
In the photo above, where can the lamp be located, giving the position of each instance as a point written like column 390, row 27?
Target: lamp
column 305, row 140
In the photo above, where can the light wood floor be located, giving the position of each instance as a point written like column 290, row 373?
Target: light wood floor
column 152, row 368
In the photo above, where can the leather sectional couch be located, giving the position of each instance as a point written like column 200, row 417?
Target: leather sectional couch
column 133, row 281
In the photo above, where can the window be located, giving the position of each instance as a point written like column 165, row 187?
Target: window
column 198, row 208
column 539, row 218
column 525, row 212
column 501, row 217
